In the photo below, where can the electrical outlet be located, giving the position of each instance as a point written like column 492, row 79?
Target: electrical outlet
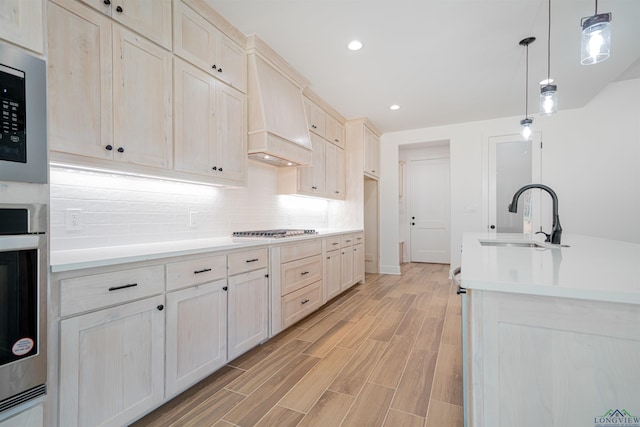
column 73, row 219
column 193, row 219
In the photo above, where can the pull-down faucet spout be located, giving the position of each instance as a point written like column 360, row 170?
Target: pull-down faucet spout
column 556, row 229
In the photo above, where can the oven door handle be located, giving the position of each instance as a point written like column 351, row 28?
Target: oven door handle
column 20, row 242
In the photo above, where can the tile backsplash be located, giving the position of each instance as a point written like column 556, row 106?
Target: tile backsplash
column 122, row 210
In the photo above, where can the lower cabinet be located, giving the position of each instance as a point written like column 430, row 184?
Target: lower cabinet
column 347, row 267
column 196, row 334
column 112, row 363
column 358, row 263
column 333, row 278
column 248, row 315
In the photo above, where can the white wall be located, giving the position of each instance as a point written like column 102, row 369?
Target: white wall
column 123, row 210
column 591, row 158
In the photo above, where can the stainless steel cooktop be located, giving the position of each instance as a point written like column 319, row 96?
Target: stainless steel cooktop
column 274, row 234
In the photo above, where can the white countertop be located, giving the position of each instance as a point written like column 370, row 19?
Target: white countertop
column 589, row 268
column 99, row 257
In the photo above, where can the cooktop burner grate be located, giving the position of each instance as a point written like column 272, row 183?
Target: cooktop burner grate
column 276, row 234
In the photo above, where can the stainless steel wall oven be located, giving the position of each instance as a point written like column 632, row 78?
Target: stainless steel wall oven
column 24, row 198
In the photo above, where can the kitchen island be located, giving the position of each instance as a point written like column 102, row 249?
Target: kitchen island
column 551, row 333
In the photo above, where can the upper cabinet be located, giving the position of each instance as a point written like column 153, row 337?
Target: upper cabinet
column 315, row 117
column 199, row 42
column 21, row 22
column 151, row 19
column 371, row 153
column 109, row 90
column 334, row 131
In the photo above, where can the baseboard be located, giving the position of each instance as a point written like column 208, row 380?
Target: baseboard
column 390, row 269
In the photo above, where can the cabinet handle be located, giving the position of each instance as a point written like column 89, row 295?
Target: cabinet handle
column 304, row 301
column 336, row 140
column 336, row 243
column 202, row 271
column 314, row 187
column 304, row 273
column 266, row 275
column 220, row 69
column 215, row 168
column 107, row 2
column 120, row 150
column 253, row 260
column 224, row 288
column 220, row 169
column 337, row 192
column 119, row 9
column 349, row 241
column 108, row 147
column 115, row 288
column 214, row 66
column 160, row 307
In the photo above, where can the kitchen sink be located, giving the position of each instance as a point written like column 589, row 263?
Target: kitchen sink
column 513, row 244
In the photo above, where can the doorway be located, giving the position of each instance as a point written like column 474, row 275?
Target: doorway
column 429, row 211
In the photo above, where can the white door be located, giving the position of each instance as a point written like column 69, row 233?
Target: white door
column 513, row 163
column 429, row 214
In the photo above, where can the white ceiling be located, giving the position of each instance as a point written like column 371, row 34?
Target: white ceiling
column 442, row 61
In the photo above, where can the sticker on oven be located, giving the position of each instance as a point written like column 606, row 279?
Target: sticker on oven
column 22, row 346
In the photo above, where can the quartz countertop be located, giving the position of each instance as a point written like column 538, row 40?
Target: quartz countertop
column 79, row 259
column 586, row 268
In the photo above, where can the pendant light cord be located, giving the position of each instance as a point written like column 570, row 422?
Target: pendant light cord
column 526, row 86
column 549, row 47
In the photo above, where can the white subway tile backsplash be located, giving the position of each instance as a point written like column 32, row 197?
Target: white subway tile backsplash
column 122, row 210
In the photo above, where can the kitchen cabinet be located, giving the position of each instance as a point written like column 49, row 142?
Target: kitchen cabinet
column 112, row 363
column 196, row 334
column 201, row 43
column 371, row 153
column 333, row 268
column 352, row 260
column 315, row 117
column 334, row 132
column 150, row 20
column 129, row 119
column 358, row 263
column 21, row 22
column 335, row 172
column 210, row 126
column 311, row 179
column 248, row 300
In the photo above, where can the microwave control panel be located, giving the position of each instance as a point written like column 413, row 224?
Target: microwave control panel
column 13, row 136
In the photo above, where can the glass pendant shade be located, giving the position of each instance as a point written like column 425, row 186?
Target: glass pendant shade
column 596, row 38
column 527, row 128
column 548, row 99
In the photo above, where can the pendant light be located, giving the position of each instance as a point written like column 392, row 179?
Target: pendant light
column 548, row 91
column 596, row 38
column 527, row 122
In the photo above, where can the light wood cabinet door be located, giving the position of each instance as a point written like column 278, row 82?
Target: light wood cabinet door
column 248, row 311
column 112, row 364
column 195, row 121
column 315, row 117
column 32, row 417
column 231, row 124
column 151, row 19
column 79, row 80
column 141, row 101
column 201, row 43
column 347, row 267
column 311, row 179
column 21, row 22
column 196, row 334
column 371, row 153
column 334, row 131
column 358, row 263
column 333, row 278
column 335, row 171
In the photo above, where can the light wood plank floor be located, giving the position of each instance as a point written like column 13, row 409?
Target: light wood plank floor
column 385, row 353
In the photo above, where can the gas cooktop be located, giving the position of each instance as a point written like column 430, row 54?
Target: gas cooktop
column 274, row 234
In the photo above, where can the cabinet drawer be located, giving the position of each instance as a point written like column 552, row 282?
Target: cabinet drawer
column 300, row 250
column 333, row 243
column 358, row 238
column 300, row 273
column 86, row 293
column 183, row 274
column 241, row 262
column 347, row 240
column 301, row 303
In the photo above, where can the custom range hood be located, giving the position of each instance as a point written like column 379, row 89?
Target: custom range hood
column 278, row 132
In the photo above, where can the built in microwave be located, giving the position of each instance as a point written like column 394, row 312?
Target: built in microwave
column 23, row 117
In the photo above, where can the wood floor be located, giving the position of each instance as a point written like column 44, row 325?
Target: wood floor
column 386, row 353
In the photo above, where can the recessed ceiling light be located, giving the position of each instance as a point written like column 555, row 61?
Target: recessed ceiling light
column 394, row 107
column 355, row 45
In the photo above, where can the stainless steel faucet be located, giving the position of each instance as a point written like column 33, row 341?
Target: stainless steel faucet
column 556, row 229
